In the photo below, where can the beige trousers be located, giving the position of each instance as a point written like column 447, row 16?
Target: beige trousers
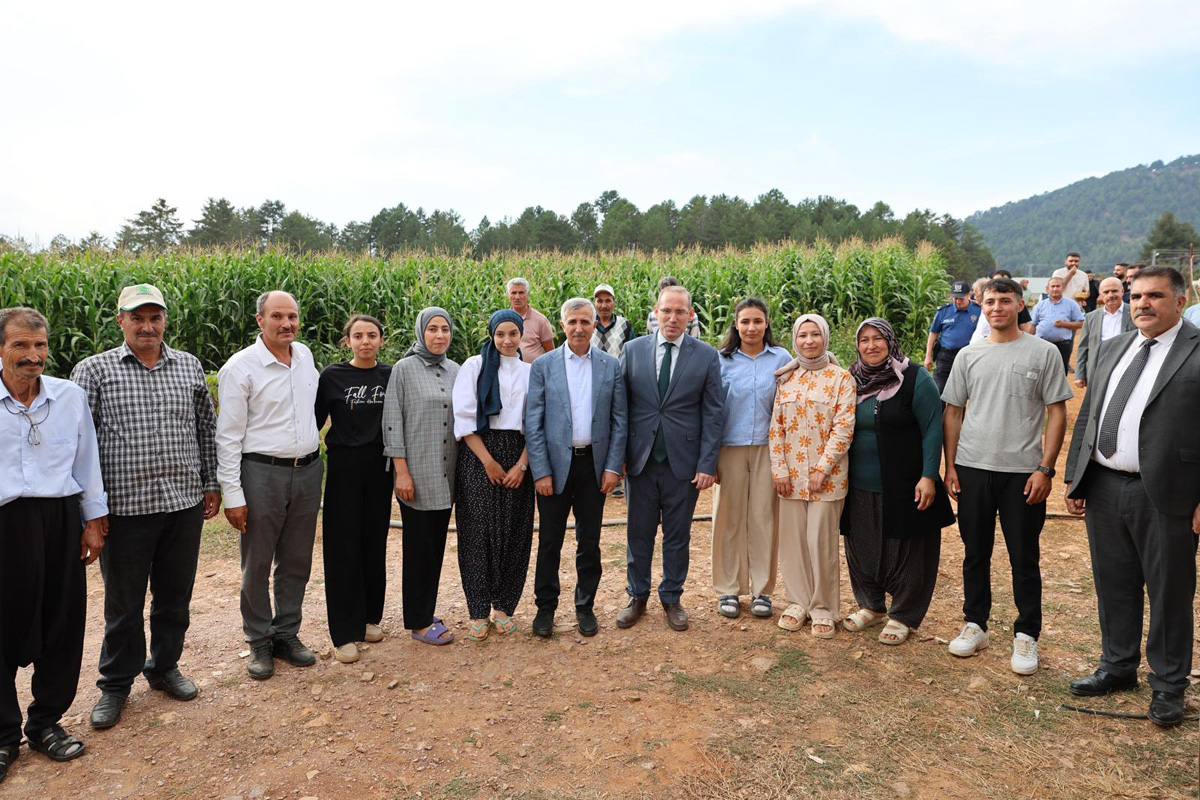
column 808, row 555
column 744, row 551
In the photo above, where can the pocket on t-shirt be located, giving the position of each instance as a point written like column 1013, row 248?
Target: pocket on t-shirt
column 1023, row 380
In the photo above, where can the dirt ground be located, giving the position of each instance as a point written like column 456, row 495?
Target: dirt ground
column 730, row 708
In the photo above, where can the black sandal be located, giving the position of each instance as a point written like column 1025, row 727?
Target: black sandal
column 56, row 744
column 8, row 754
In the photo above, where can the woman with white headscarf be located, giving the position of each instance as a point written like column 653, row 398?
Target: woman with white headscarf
column 812, row 426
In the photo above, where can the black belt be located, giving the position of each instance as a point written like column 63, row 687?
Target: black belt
column 951, row 350
column 586, row 450
column 275, row 461
column 1133, row 476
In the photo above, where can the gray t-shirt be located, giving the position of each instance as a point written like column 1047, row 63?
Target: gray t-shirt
column 1005, row 389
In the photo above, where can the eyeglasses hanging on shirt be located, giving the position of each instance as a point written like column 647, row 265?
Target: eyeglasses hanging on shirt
column 34, row 437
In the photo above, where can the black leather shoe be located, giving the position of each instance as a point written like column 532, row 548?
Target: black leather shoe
column 292, row 650
column 586, row 618
column 543, row 622
column 677, row 618
column 8, row 754
column 1166, row 709
column 1101, row 682
column 107, row 711
column 630, row 614
column 174, row 684
column 261, row 664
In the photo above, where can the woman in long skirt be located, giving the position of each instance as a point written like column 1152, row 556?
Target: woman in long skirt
column 493, row 494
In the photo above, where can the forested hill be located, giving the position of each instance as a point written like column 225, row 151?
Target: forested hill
column 1104, row 219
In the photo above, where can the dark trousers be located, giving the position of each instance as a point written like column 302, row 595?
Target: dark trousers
column 1133, row 545
column 656, row 495
column 161, row 549
column 424, row 540
column 43, row 608
column 584, row 496
column 1064, row 350
column 984, row 494
column 941, row 367
column 354, row 531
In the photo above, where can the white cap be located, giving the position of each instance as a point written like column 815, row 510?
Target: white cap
column 604, row 287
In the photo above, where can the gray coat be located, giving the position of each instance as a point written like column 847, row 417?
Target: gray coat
column 1089, row 338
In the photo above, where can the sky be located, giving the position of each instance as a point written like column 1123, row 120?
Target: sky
column 486, row 108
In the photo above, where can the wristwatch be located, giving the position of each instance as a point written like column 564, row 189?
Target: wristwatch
column 524, row 467
column 1047, row 471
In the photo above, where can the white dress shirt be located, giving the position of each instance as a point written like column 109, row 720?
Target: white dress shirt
column 659, row 350
column 514, row 385
column 1077, row 285
column 265, row 407
column 1112, row 324
column 1125, row 458
column 579, row 389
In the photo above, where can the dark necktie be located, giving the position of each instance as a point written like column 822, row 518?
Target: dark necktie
column 659, row 450
column 1106, row 443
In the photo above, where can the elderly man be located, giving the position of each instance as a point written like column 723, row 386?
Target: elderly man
column 1056, row 319
column 613, row 331
column 1133, row 471
column 1109, row 320
column 951, row 331
column 1075, row 280
column 676, row 413
column 270, row 470
column 50, row 484
column 537, row 337
column 155, row 426
column 575, row 431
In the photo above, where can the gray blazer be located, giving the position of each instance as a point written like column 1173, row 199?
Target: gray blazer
column 1168, row 436
column 692, row 413
column 548, row 425
column 1089, row 338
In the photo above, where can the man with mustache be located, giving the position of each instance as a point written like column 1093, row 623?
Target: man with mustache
column 50, row 484
column 1133, row 471
column 1109, row 320
column 1056, row 319
column 154, row 425
column 269, row 467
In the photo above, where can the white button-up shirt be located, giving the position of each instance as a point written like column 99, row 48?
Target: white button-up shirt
column 265, row 407
column 1112, row 324
column 660, row 351
column 579, row 389
column 514, row 386
column 1125, row 458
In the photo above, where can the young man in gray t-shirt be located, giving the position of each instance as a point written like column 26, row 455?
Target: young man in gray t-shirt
column 997, row 461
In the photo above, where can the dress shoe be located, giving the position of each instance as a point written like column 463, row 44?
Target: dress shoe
column 8, row 754
column 1102, row 682
column 1166, row 709
column 677, row 618
column 543, row 622
column 587, row 621
column 174, row 684
column 630, row 614
column 107, row 711
column 293, row 651
column 261, row 664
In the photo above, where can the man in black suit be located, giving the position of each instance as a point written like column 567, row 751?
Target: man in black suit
column 1134, row 471
column 676, row 413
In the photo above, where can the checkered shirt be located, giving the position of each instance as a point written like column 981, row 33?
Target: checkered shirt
column 155, row 427
column 612, row 341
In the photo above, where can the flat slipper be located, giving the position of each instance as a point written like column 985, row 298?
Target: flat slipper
column 797, row 613
column 435, row 635
column 897, row 629
column 823, row 623
column 862, row 619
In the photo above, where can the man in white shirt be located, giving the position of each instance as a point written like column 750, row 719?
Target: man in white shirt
column 1075, row 281
column 1107, row 320
column 269, row 467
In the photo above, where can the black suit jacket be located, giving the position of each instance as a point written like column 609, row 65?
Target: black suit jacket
column 1169, row 433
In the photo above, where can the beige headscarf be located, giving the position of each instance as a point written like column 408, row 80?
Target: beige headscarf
column 800, row 362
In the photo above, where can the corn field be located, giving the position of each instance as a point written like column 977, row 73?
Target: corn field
column 211, row 294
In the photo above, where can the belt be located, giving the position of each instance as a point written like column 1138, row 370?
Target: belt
column 582, row 451
column 1133, row 476
column 275, row 461
column 950, row 350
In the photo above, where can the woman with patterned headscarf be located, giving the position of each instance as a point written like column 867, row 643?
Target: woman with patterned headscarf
column 811, row 428
column 896, row 507
column 493, row 494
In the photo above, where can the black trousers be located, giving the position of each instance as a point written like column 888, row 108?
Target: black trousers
column 43, row 608
column 657, row 495
column 354, row 531
column 584, row 496
column 162, row 549
column 982, row 495
column 1134, row 545
column 424, row 540
column 941, row 367
column 1064, row 350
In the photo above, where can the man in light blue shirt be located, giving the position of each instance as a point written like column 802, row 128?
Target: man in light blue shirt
column 1192, row 315
column 50, row 483
column 1056, row 319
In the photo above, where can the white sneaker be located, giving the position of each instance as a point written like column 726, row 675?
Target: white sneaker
column 1024, row 657
column 971, row 638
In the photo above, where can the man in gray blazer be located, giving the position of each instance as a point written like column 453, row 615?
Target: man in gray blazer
column 1134, row 471
column 676, row 412
column 1109, row 319
column 575, row 423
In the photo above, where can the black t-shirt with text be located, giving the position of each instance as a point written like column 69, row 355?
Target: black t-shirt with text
column 352, row 398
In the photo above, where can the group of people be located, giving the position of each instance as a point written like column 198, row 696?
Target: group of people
column 127, row 459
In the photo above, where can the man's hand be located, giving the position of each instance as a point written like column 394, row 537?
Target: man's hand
column 1061, row 323
column 92, row 541
column 816, row 479
column 212, row 504
column 703, row 480
column 924, row 493
column 406, row 490
column 783, row 486
column 1080, row 384
column 237, row 518
column 545, row 486
column 929, row 363
column 952, row 485
column 609, row 481
column 1037, row 489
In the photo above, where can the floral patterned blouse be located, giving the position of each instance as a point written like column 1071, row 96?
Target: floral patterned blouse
column 812, row 426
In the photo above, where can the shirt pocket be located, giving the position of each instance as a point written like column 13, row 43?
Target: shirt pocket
column 1023, row 380
column 59, row 457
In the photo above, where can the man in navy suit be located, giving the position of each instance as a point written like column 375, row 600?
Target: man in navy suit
column 575, row 423
column 676, row 412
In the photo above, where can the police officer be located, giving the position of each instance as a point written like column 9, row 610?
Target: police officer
column 951, row 331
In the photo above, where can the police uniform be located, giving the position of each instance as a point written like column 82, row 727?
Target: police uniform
column 954, row 328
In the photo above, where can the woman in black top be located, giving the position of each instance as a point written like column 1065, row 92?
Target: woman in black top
column 358, row 489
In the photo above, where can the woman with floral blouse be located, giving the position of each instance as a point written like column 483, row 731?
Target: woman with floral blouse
column 812, row 426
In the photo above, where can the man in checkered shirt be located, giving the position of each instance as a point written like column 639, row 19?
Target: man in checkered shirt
column 156, row 428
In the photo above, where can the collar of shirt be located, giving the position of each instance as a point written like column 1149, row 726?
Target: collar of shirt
column 267, row 357
column 46, row 392
column 1120, row 310
column 1166, row 338
column 659, row 339
column 165, row 353
column 572, row 356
